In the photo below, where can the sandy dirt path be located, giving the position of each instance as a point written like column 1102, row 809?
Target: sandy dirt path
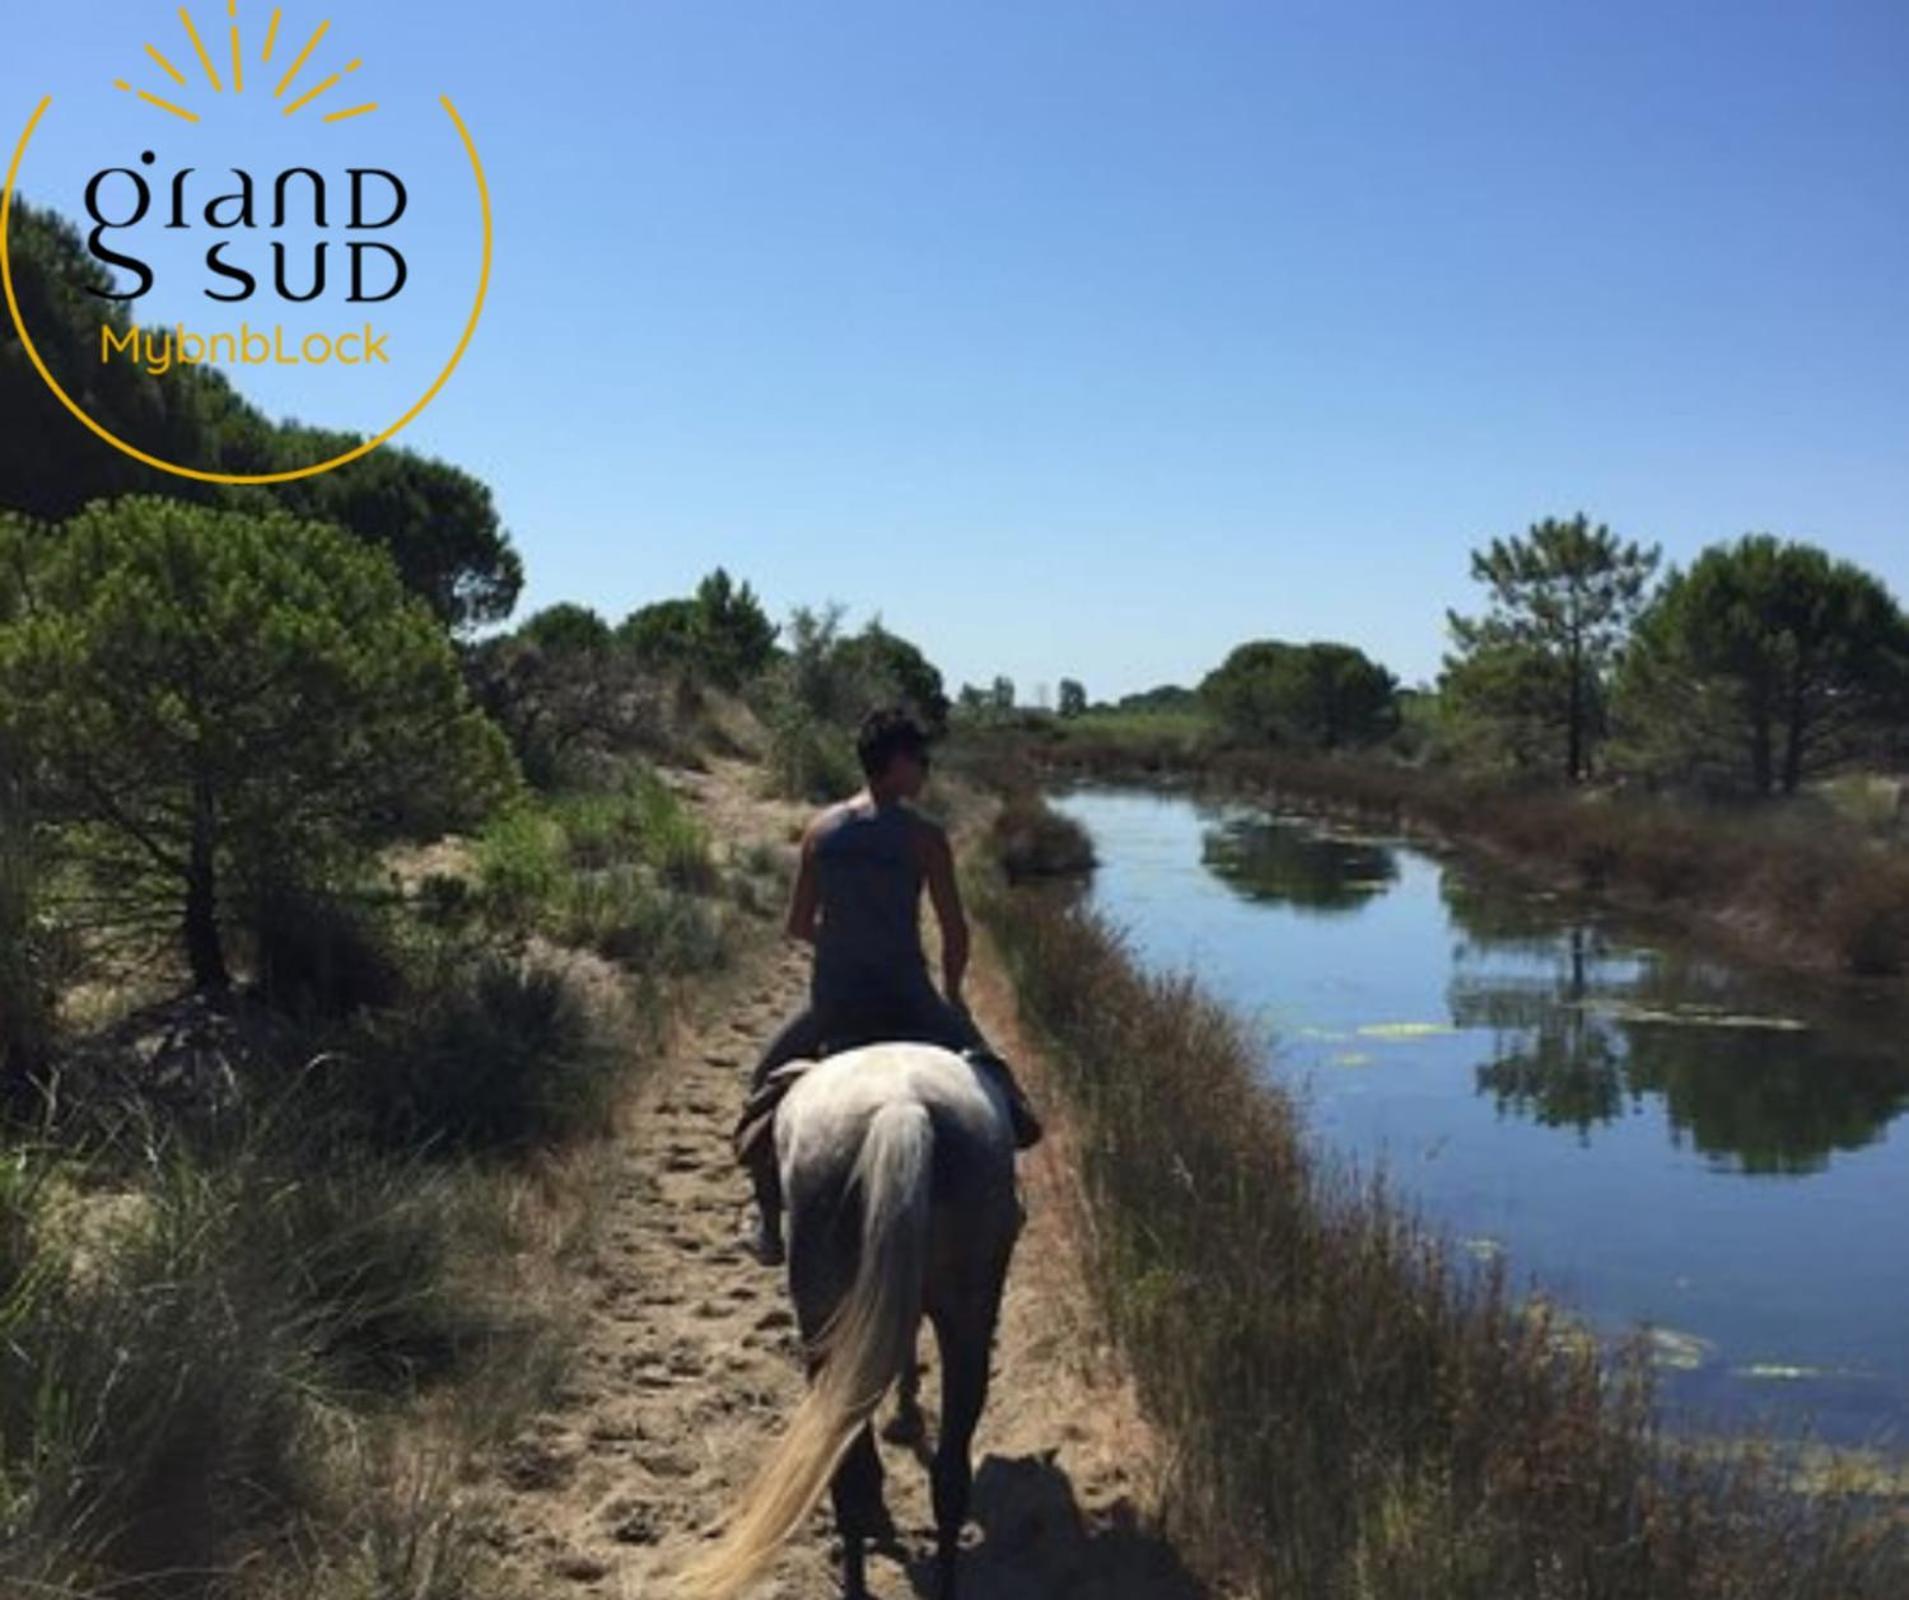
column 688, row 1363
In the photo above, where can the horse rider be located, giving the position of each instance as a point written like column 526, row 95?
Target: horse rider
column 857, row 900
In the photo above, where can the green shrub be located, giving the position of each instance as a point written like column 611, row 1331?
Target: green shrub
column 810, row 759
column 503, row 1058
column 595, row 861
column 520, row 860
column 1031, row 840
column 644, row 821
column 675, row 842
column 761, row 860
column 625, row 916
column 600, row 828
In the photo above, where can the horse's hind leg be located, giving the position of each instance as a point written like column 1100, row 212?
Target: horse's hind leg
column 821, row 1269
column 965, row 1342
column 859, row 1512
column 909, row 1426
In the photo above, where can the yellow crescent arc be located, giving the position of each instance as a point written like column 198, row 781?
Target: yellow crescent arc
column 365, row 449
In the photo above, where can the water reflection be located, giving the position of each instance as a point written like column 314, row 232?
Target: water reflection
column 1282, row 862
column 1582, row 1030
column 1654, row 1136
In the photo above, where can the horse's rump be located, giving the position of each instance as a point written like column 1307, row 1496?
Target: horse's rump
column 897, row 1162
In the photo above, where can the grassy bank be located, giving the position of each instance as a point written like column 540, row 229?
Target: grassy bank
column 271, row 1271
column 1799, row 883
column 1352, row 1412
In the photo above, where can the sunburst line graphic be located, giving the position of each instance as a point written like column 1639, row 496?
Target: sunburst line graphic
column 204, row 57
column 154, row 100
column 304, row 55
column 166, row 66
column 198, row 45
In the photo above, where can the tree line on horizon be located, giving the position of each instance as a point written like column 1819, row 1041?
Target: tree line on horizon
column 1761, row 666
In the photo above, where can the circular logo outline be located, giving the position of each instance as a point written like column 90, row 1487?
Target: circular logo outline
column 365, row 449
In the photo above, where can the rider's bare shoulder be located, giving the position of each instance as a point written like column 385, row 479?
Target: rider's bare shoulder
column 825, row 819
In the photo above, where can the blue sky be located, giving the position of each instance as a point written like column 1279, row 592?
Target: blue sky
column 1088, row 338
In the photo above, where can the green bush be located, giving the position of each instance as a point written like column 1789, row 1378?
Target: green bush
column 503, row 1058
column 644, row 821
column 810, row 759
column 520, row 863
column 625, row 916
column 151, row 1393
column 1031, row 840
column 595, row 868
column 676, row 843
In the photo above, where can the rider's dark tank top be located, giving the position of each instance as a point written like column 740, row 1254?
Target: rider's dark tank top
column 868, row 942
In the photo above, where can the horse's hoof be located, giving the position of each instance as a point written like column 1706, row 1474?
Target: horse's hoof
column 880, row 1529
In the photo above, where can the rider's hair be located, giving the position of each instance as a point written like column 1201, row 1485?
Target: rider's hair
column 885, row 734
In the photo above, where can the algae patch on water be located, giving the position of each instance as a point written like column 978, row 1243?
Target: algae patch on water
column 1681, row 1352
column 1569, row 1334
column 1690, row 1016
column 1405, row 1031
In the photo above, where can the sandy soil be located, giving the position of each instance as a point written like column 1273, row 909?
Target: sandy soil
column 687, row 1361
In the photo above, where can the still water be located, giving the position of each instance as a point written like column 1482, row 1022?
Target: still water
column 1653, row 1137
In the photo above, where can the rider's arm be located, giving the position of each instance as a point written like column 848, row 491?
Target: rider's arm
column 945, row 891
column 805, row 897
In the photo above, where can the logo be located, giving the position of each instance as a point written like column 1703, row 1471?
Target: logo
column 295, row 267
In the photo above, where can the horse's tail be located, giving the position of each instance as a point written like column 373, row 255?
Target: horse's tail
column 861, row 1352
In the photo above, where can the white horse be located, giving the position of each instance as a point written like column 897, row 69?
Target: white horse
column 898, row 1169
